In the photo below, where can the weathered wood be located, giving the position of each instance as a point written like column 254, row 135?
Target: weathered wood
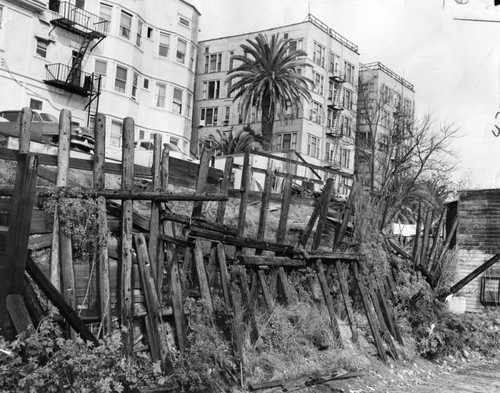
column 305, row 163
column 323, row 212
column 369, row 314
column 177, row 302
column 388, row 314
column 57, row 300
column 66, row 257
column 127, row 183
column 325, row 198
column 198, row 222
column 416, row 241
column 33, row 305
column 285, row 286
column 102, row 259
column 247, row 301
column 226, row 179
column 154, row 220
column 159, row 352
column 384, row 329
column 257, row 260
column 246, row 177
column 18, row 313
column 347, row 300
column 425, row 240
column 266, row 195
column 340, row 234
column 202, row 276
column 201, row 181
column 24, row 130
column 435, row 241
column 446, row 245
column 99, row 179
column 320, row 270
column 265, row 290
column 240, row 241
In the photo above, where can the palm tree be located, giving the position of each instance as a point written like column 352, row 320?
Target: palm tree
column 267, row 79
column 229, row 143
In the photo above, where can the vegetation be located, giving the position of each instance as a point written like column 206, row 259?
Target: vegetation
column 267, row 79
column 233, row 143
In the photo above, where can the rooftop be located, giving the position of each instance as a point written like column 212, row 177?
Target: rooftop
column 378, row 66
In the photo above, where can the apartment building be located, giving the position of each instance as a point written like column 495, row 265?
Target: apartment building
column 120, row 58
column 322, row 131
column 386, row 104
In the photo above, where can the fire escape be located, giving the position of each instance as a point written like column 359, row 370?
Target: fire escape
column 92, row 30
column 333, row 131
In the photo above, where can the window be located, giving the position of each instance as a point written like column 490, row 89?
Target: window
column 330, row 119
column 213, row 63
column 227, row 115
column 177, row 101
column 54, row 5
column 125, row 25
column 386, row 94
column 295, row 45
column 316, row 112
column 209, row 116
column 164, row 44
column 286, row 141
column 347, row 99
column 211, row 90
column 121, row 79
column 181, row 51
column 346, row 126
column 1, row 13
column 174, row 141
column 344, row 185
column 319, row 82
column 138, row 37
column 80, row 4
column 150, row 32
column 331, row 90
column 161, row 91
column 141, row 134
column 100, row 69
column 231, row 60
column 184, row 21
column 41, row 47
column 145, row 83
column 192, row 57
column 36, row 104
column 349, row 72
column 135, row 80
column 319, row 54
column 333, row 67
column 345, row 157
column 115, row 137
column 188, row 104
column 105, row 12
column 312, row 146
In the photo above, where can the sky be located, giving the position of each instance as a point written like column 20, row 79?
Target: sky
column 453, row 63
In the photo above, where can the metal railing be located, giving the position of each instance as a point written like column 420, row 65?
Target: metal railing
column 60, row 74
column 379, row 66
column 332, row 33
column 87, row 20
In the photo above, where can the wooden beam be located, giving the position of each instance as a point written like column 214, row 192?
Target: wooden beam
column 328, row 301
column 259, row 260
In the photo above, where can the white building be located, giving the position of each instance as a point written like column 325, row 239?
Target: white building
column 322, row 131
column 52, row 54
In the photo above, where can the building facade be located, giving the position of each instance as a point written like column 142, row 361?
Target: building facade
column 385, row 115
column 120, row 58
column 322, row 131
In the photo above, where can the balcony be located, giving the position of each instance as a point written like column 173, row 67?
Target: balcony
column 77, row 20
column 337, row 77
column 333, row 133
column 334, row 105
column 75, row 81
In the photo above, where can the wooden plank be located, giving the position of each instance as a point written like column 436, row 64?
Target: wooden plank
column 416, row 239
column 388, row 314
column 99, row 175
column 285, row 286
column 159, row 351
column 177, row 303
column 247, row 301
column 57, row 300
column 265, row 290
column 206, row 157
column 266, row 195
column 246, row 178
column 127, row 183
column 325, row 198
column 226, row 179
column 347, row 300
column 256, row 260
column 25, row 130
column 198, row 222
column 202, row 276
column 102, row 258
column 154, row 221
column 308, row 165
column 446, row 245
column 320, row 270
column 323, row 212
column 33, row 305
column 369, row 314
column 18, row 313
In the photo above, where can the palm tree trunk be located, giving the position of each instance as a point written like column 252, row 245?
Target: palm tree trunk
column 267, row 123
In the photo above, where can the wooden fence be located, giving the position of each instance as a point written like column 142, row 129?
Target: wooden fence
column 162, row 258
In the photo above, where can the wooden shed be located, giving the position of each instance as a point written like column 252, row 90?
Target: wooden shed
column 478, row 241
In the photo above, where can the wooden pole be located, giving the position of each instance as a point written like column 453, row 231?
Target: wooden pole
column 246, row 179
column 126, row 235
column 202, row 277
column 25, row 130
column 328, row 300
column 154, row 221
column 435, row 241
column 206, row 157
column 347, row 300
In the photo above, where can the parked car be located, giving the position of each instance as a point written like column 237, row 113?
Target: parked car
column 45, row 128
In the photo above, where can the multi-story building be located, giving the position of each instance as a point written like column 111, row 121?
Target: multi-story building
column 120, row 58
column 385, row 115
column 322, row 131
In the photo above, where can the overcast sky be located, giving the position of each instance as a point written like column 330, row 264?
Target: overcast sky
column 452, row 63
